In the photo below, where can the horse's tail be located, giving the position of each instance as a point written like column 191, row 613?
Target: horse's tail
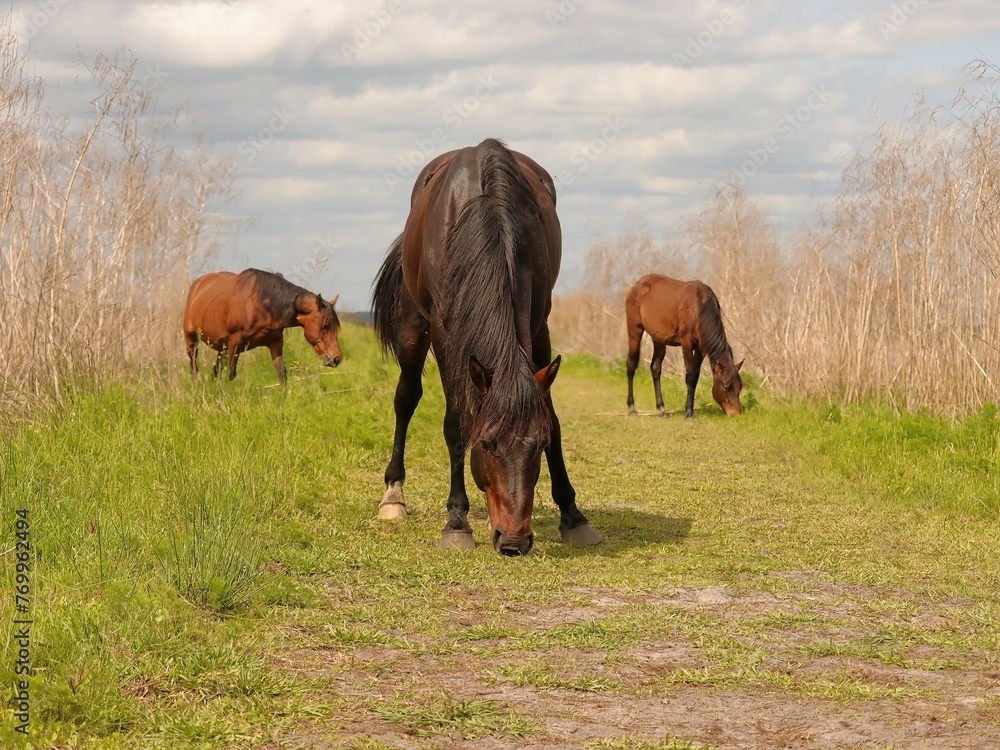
column 479, row 274
column 711, row 331
column 386, row 295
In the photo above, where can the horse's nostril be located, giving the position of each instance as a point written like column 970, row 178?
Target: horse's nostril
column 336, row 361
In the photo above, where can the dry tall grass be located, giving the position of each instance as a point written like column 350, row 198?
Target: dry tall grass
column 100, row 226
column 891, row 295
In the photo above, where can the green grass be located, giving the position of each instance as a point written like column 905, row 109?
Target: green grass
column 442, row 715
column 545, row 677
column 208, row 571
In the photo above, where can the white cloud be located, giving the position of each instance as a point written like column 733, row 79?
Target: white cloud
column 360, row 116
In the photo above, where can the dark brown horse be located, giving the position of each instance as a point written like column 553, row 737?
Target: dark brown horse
column 471, row 276
column 684, row 314
column 235, row 312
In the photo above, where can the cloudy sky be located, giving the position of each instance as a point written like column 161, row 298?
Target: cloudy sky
column 328, row 109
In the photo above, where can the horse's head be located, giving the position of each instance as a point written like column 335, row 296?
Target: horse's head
column 728, row 384
column 505, row 463
column 321, row 326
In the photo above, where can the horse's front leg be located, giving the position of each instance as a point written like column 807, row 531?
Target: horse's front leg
column 277, row 356
column 457, row 533
column 656, row 369
column 235, row 347
column 692, row 370
column 573, row 525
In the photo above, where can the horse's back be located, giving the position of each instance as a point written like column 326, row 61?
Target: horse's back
column 442, row 189
column 668, row 309
column 537, row 176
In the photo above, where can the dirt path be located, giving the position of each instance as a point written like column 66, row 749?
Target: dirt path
column 747, row 596
column 647, row 698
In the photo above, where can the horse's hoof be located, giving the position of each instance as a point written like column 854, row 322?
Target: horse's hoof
column 632, row 412
column 392, row 511
column 582, row 535
column 689, row 416
column 460, row 540
column 664, row 414
column 393, row 505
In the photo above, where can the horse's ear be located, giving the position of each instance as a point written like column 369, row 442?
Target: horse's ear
column 546, row 375
column 721, row 373
column 334, row 300
column 740, row 364
column 481, row 377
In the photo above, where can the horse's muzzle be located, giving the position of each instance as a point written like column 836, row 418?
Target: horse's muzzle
column 512, row 547
column 329, row 361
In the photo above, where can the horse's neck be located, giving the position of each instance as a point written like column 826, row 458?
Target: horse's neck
column 289, row 318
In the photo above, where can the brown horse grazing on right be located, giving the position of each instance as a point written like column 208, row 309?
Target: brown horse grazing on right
column 235, row 312
column 684, row 314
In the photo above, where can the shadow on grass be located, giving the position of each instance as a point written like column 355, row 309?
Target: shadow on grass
column 623, row 529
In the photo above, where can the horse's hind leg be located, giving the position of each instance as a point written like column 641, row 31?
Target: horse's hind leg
column 656, row 368
column 634, row 348
column 412, row 342
column 692, row 370
column 191, row 340
column 573, row 525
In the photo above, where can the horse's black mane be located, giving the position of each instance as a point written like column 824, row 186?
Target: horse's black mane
column 276, row 293
column 478, row 319
column 712, row 332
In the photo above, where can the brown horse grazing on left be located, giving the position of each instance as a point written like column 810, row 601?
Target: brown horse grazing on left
column 684, row 314
column 236, row 312
column 471, row 276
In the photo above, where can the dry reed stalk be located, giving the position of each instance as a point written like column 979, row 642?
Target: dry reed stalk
column 101, row 229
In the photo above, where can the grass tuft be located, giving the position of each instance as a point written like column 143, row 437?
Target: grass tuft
column 214, row 556
column 441, row 715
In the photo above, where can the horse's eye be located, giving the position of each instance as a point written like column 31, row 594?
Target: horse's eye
column 486, row 445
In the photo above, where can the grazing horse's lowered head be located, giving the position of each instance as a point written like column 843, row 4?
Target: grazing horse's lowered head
column 320, row 325
column 505, row 464
column 727, row 383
